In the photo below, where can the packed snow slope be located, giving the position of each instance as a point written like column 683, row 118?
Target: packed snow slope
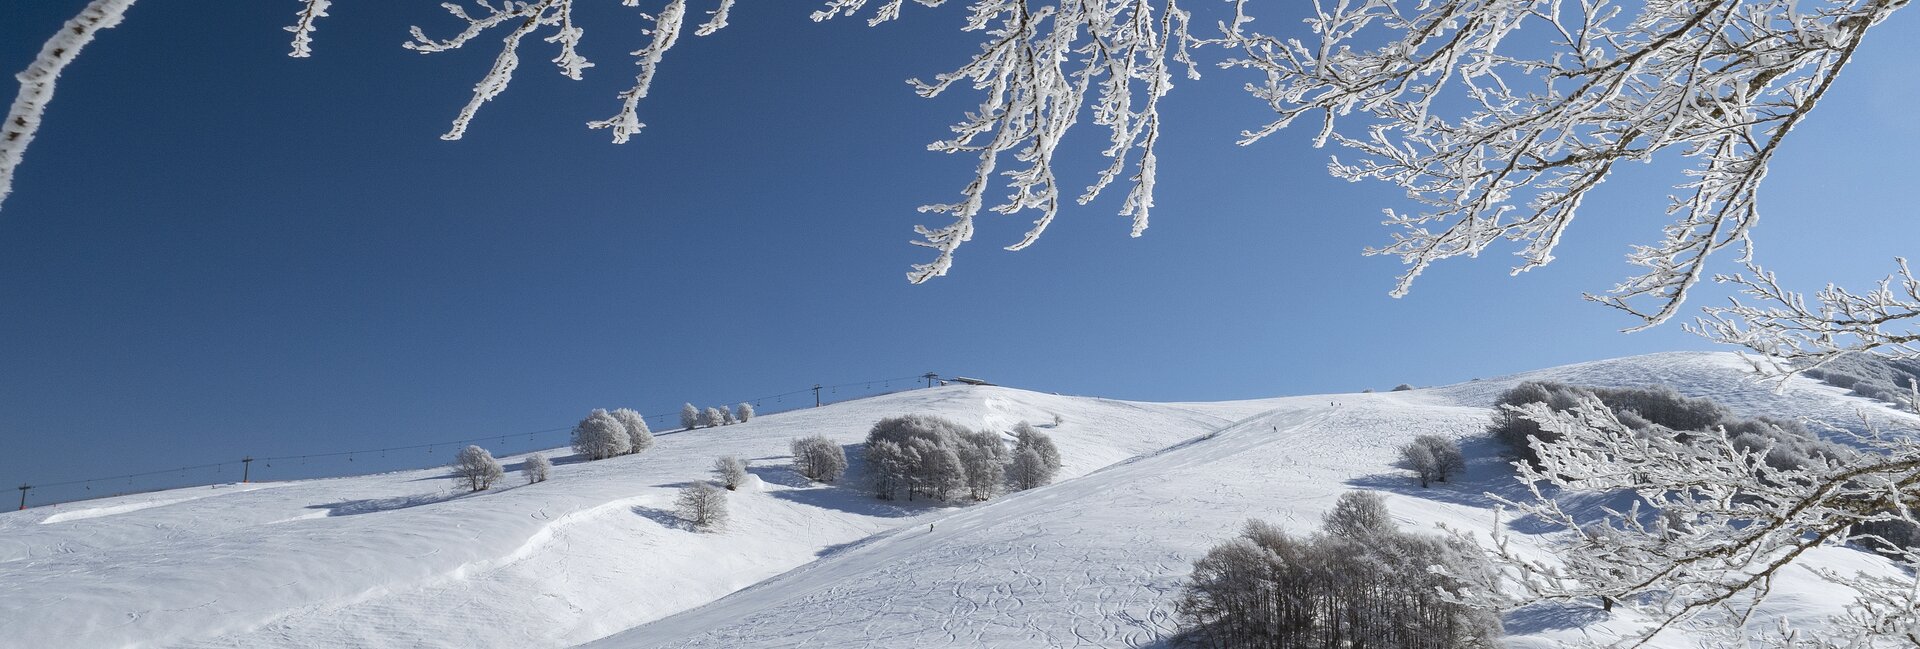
column 1098, row 561
column 1095, row 560
column 405, row 560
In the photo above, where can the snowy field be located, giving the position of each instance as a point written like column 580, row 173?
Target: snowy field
column 594, row 556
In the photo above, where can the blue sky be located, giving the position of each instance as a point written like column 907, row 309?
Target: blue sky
column 215, row 250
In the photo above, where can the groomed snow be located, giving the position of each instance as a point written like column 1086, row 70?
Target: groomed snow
column 1095, row 560
column 403, row 560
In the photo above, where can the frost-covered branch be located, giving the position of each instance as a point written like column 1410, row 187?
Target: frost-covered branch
column 521, row 19
column 666, row 31
column 1038, row 67
column 1792, row 335
column 1501, row 134
column 37, row 81
column 304, row 25
column 1713, row 525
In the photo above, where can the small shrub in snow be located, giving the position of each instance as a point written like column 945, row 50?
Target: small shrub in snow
column 731, row 471
column 1402, row 387
column 819, row 459
column 639, row 437
column 744, row 412
column 537, row 467
column 1432, row 458
column 600, row 436
column 702, row 505
column 689, row 416
column 726, row 417
column 475, row 468
column 712, row 417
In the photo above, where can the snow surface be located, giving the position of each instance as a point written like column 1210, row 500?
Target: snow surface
column 594, row 556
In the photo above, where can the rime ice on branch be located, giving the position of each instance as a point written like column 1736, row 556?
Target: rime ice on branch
column 1714, row 523
column 37, row 81
column 1503, row 137
column 1036, row 70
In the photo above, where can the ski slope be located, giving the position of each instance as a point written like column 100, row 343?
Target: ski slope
column 593, row 557
column 1098, row 561
column 404, row 560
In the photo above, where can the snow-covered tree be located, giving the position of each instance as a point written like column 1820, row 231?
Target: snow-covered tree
column 1029, row 469
column 537, row 468
column 819, row 459
column 942, row 473
column 702, row 505
column 726, row 417
column 744, row 412
column 712, row 418
column 1358, row 515
column 1713, row 524
column 984, row 457
column 475, row 468
column 887, row 468
column 601, row 436
column 731, row 472
column 1432, row 458
column 689, row 416
column 639, row 437
column 1026, row 436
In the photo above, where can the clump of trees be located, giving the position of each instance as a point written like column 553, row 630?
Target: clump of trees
column 819, row 459
column 1432, row 458
column 1647, row 409
column 731, row 471
column 475, row 469
column 600, row 436
column 1359, row 582
column 537, row 468
column 692, row 416
column 702, row 506
column 606, row 434
column 923, row 456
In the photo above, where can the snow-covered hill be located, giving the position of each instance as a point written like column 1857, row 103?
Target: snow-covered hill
column 400, row 560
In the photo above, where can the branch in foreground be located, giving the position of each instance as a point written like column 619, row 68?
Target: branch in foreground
column 1792, row 336
column 37, row 81
column 1713, row 526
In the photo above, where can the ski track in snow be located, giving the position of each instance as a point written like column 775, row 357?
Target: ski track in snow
column 594, row 557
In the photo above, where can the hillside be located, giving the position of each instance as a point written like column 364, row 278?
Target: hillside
column 1098, row 561
column 400, row 560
